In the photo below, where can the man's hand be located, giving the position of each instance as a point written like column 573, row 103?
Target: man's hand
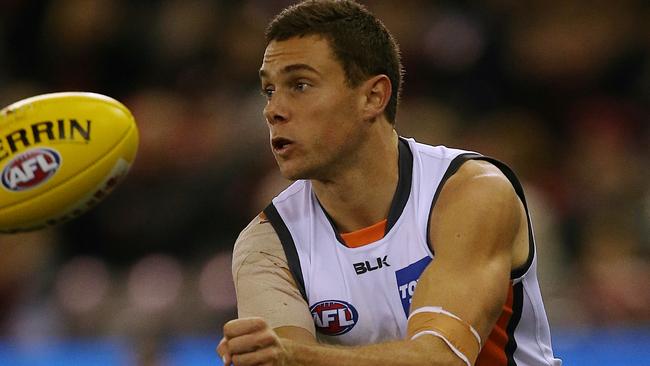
column 250, row 341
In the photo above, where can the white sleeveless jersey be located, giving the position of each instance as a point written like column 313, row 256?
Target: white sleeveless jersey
column 362, row 295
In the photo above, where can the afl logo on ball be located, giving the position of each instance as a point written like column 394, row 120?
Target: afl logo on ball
column 334, row 317
column 30, row 169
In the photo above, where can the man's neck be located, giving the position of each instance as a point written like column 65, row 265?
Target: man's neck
column 361, row 194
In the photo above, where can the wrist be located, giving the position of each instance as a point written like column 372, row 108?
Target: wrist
column 287, row 346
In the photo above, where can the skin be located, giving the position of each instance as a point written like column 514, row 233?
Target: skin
column 339, row 136
column 342, row 142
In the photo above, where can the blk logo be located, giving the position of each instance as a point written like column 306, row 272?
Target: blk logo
column 367, row 266
column 334, row 317
column 30, row 169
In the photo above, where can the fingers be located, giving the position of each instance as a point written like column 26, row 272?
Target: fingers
column 239, row 327
column 250, row 341
column 224, row 351
column 266, row 356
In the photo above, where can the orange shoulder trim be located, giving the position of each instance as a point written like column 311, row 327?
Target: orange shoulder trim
column 263, row 217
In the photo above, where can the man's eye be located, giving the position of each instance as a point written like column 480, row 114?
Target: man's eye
column 267, row 92
column 301, row 86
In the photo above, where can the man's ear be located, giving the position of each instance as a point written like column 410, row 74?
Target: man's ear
column 377, row 92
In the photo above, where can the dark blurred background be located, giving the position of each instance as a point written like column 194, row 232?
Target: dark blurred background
column 559, row 90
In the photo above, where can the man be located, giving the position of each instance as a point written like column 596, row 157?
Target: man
column 335, row 259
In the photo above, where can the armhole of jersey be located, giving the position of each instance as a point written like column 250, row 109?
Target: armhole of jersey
column 517, row 308
column 289, row 246
column 517, row 272
column 451, row 170
column 455, row 164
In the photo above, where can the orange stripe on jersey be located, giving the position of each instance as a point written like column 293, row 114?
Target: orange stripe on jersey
column 494, row 350
column 365, row 236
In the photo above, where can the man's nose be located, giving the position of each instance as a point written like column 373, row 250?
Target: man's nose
column 275, row 110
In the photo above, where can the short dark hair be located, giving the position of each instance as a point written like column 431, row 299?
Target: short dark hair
column 358, row 39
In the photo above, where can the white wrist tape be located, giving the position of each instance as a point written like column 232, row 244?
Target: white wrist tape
column 448, row 327
column 439, row 310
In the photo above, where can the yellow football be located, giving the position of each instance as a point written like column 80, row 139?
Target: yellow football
column 61, row 154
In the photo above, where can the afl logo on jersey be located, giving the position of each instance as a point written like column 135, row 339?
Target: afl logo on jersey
column 334, row 317
column 30, row 169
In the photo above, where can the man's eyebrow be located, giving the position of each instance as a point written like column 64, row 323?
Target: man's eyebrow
column 291, row 68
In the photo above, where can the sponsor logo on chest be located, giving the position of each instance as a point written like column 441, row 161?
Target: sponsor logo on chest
column 369, row 266
column 334, row 317
column 407, row 279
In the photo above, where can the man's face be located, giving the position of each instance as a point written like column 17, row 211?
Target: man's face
column 311, row 112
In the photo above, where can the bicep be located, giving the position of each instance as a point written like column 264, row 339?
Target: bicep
column 472, row 229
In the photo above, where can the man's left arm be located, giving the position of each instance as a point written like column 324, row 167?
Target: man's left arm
column 474, row 227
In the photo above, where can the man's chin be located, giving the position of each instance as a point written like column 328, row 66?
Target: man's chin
column 293, row 173
column 292, row 176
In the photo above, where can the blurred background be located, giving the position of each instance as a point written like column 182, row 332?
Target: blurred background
column 559, row 90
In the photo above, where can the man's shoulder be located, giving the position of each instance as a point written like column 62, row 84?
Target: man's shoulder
column 480, row 178
column 257, row 237
column 478, row 198
column 259, row 227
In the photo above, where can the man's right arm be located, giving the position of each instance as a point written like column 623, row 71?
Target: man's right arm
column 264, row 285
